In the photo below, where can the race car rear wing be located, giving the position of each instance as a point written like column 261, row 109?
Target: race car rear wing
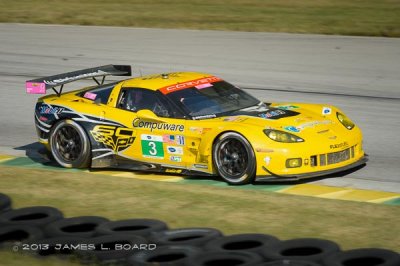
column 40, row 85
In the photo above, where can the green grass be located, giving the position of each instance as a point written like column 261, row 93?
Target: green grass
column 351, row 224
column 356, row 17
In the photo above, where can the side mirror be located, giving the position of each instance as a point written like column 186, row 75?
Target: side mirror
column 146, row 114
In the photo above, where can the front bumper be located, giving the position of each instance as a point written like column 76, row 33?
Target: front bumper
column 285, row 178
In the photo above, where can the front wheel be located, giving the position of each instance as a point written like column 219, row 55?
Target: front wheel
column 234, row 158
column 70, row 145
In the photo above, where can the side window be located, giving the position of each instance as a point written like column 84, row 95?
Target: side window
column 136, row 99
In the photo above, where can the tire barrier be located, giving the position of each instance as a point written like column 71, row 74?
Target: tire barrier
column 112, row 249
column 43, row 231
column 164, row 256
column 5, row 203
column 242, row 242
column 185, row 236
column 38, row 216
column 224, row 258
column 309, row 249
column 363, row 257
column 288, row 263
column 81, row 226
column 12, row 236
column 140, row 227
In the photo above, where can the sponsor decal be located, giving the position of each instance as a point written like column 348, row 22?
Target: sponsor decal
column 43, row 118
column 271, row 114
column 313, row 124
column 204, row 116
column 175, row 158
column 308, row 124
column 286, row 107
column 90, row 95
column 157, row 126
column 174, row 139
column 174, row 171
column 234, row 119
column 202, row 166
column 116, row 138
column 35, row 87
column 326, row 111
column 264, row 150
column 230, row 118
column 303, row 119
column 291, row 129
column 175, row 150
column 339, row 145
column 44, row 109
column 189, row 84
column 152, row 146
column 199, row 130
column 180, row 140
column 55, row 82
column 170, row 139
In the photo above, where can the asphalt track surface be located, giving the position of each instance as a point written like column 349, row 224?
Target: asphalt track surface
column 360, row 75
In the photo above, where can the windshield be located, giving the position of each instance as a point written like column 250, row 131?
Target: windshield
column 209, row 100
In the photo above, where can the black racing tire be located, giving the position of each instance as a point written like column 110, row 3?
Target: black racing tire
column 38, row 216
column 220, row 258
column 63, row 246
column 5, row 203
column 185, row 236
column 70, row 145
column 81, row 226
column 234, row 158
column 242, row 242
column 14, row 235
column 164, row 256
column 364, row 257
column 308, row 249
column 140, row 227
column 112, row 249
column 289, row 263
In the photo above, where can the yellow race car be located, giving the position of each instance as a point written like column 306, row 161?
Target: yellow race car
column 192, row 124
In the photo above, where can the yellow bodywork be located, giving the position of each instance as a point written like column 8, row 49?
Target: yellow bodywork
column 192, row 140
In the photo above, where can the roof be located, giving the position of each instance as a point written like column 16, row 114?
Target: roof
column 158, row 81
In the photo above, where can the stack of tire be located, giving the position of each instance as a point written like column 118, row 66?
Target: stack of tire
column 44, row 231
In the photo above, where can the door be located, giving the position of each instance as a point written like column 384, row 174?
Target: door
column 159, row 132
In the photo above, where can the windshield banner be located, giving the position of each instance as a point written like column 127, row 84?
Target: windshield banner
column 188, row 84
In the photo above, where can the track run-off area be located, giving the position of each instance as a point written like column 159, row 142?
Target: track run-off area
column 313, row 190
column 360, row 75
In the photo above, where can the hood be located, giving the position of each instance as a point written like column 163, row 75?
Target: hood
column 299, row 119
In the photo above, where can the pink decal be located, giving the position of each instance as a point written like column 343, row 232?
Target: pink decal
column 203, row 86
column 35, row 87
column 90, row 95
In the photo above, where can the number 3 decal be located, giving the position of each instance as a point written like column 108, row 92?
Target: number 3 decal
column 153, row 148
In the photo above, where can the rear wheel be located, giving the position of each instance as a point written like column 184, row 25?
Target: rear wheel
column 70, row 145
column 234, row 158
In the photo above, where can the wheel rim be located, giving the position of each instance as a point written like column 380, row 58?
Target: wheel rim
column 233, row 159
column 68, row 143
